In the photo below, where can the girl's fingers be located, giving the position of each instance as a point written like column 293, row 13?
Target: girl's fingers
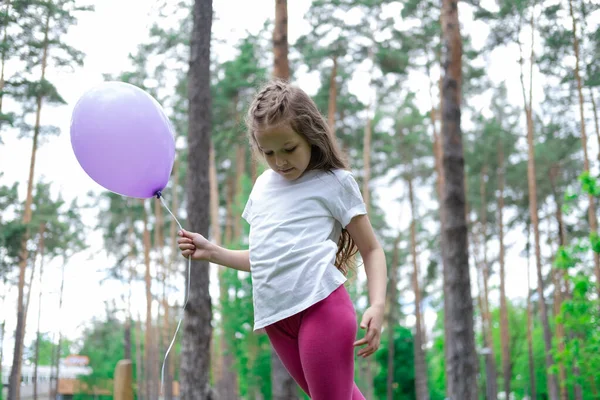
column 361, row 342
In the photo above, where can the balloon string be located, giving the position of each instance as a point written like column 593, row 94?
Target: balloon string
column 187, row 293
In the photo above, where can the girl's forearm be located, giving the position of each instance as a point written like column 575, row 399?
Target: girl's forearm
column 376, row 276
column 235, row 259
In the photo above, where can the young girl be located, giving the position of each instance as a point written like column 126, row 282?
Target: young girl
column 307, row 219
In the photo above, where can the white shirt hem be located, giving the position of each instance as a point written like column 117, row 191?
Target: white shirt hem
column 295, row 310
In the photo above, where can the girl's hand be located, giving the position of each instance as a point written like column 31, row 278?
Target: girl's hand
column 372, row 321
column 194, row 245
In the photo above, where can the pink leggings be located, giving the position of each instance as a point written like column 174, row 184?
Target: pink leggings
column 316, row 347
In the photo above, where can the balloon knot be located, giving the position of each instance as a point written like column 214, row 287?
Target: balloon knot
column 158, row 194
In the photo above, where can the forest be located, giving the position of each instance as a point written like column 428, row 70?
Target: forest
column 471, row 126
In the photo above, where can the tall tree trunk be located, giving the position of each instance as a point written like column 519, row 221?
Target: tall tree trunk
column 215, row 221
column 195, row 353
column 2, row 325
column 438, row 153
column 15, row 373
column 461, row 360
column 596, row 121
column 490, row 359
column 532, row 385
column 482, row 385
column 504, row 324
column 139, row 362
column 240, row 170
column 58, row 347
column 29, row 287
column 281, row 66
column 215, row 237
column 39, row 316
column 592, row 218
column 332, row 96
column 421, row 386
column 367, row 160
column 226, row 378
column 149, row 339
column 169, row 367
column 437, row 146
column 365, row 366
column 162, row 333
column 533, row 211
column 558, row 283
column 167, row 390
column 2, row 332
column 130, row 272
column 223, row 387
column 392, row 317
column 229, row 206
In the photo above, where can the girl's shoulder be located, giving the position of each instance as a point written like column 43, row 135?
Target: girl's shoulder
column 342, row 173
column 337, row 175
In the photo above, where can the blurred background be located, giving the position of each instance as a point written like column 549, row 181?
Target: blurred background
column 88, row 277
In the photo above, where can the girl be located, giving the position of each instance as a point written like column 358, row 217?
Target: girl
column 307, row 219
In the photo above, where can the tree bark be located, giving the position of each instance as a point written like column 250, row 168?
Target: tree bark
column 504, row 324
column 461, row 360
column 169, row 367
column 195, row 353
column 558, row 283
column 3, row 324
column 421, row 386
column 139, row 362
column 149, row 337
column 281, row 66
column 226, row 379
column 596, row 121
column 58, row 348
column 39, row 316
column 332, row 96
column 533, row 212
column 367, row 161
column 490, row 359
column 391, row 318
column 532, row 385
column 15, row 373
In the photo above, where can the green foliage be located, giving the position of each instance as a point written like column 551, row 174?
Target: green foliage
column 103, row 344
column 580, row 312
column 404, row 375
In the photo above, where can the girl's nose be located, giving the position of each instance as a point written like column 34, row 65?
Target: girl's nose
column 280, row 161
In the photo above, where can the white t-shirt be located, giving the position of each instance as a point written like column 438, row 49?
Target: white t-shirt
column 294, row 230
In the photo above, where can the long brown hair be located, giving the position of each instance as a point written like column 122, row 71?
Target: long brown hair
column 279, row 103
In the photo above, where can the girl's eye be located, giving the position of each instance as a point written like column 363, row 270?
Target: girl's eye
column 268, row 153
column 290, row 150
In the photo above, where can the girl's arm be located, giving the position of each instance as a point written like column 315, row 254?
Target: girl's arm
column 374, row 259
column 195, row 245
column 236, row 259
column 373, row 256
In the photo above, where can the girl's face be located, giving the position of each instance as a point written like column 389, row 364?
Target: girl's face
column 286, row 152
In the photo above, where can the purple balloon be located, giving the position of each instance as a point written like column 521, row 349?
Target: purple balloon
column 123, row 140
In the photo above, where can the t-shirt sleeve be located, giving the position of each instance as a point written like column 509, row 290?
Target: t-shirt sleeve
column 346, row 201
column 247, row 213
